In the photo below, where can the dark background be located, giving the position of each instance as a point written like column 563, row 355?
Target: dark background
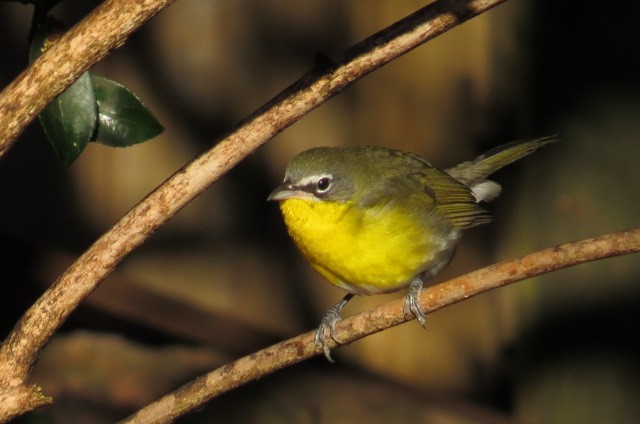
column 222, row 279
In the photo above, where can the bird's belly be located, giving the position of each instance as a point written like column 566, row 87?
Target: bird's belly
column 364, row 252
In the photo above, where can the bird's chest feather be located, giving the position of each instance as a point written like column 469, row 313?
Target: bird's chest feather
column 365, row 251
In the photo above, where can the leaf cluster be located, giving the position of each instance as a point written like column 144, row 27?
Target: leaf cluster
column 92, row 109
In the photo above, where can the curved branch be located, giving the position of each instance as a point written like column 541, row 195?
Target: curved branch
column 297, row 349
column 105, row 29
column 38, row 324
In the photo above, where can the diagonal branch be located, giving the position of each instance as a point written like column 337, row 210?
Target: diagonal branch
column 38, row 324
column 105, row 29
column 297, row 349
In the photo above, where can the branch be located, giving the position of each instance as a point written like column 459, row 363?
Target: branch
column 105, row 29
column 297, row 349
column 38, row 324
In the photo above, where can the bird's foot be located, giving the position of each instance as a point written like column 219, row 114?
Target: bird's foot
column 328, row 324
column 412, row 305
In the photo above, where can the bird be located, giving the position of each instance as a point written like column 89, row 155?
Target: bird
column 375, row 220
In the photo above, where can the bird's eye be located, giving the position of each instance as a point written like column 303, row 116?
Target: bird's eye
column 323, row 184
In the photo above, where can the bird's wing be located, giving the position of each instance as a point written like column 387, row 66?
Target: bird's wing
column 454, row 200
column 428, row 191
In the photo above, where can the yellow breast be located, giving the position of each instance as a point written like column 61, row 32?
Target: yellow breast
column 363, row 251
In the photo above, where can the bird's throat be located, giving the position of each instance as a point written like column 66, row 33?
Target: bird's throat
column 362, row 251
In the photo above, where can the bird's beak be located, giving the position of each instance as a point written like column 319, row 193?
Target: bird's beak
column 283, row 192
column 289, row 191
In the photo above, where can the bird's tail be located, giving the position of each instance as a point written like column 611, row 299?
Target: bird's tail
column 477, row 170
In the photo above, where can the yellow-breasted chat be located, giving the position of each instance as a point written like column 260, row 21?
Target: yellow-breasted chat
column 375, row 220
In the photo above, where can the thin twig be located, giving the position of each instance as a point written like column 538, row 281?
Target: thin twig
column 105, row 29
column 38, row 324
column 302, row 347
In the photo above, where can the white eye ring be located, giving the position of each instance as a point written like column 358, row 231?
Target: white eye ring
column 323, row 184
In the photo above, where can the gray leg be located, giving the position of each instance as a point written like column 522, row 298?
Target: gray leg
column 412, row 306
column 329, row 323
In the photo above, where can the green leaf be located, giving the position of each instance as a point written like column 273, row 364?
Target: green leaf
column 70, row 121
column 92, row 109
column 123, row 119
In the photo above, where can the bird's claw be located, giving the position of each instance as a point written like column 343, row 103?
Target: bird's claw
column 412, row 304
column 328, row 323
